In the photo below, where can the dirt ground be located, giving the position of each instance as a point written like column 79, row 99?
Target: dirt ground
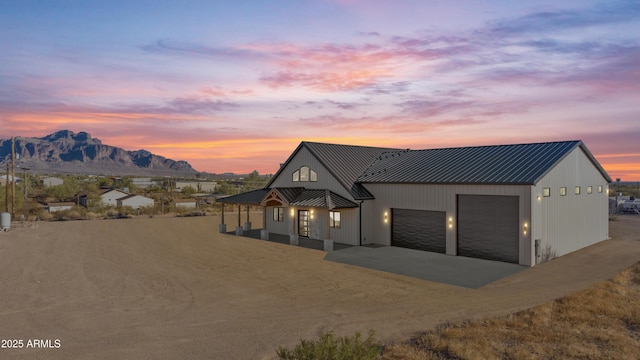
column 173, row 288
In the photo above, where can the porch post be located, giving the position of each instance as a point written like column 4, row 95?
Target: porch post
column 264, row 233
column 247, row 225
column 222, row 227
column 239, row 227
column 328, row 243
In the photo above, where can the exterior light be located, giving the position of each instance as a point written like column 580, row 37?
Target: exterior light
column 525, row 228
column 450, row 222
column 293, row 212
column 311, row 213
column 539, row 197
column 386, row 217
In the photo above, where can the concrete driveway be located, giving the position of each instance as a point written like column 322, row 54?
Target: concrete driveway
column 453, row 270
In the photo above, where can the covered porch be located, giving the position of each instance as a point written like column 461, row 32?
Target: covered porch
column 297, row 216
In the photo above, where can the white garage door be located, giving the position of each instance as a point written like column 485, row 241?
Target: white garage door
column 488, row 227
column 419, row 229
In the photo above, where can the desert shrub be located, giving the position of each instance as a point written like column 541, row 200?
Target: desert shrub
column 330, row 347
column 127, row 210
column 44, row 215
column 112, row 213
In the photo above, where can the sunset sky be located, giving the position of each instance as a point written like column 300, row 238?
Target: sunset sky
column 233, row 86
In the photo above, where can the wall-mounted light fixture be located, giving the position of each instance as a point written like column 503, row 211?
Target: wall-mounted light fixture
column 450, row 222
column 386, row 217
column 525, row 228
column 293, row 212
column 311, row 213
column 539, row 197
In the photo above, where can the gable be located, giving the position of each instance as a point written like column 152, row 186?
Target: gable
column 324, row 179
column 336, row 166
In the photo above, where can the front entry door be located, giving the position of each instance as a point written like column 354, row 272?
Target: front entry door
column 303, row 223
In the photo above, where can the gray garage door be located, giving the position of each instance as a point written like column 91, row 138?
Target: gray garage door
column 419, row 229
column 488, row 227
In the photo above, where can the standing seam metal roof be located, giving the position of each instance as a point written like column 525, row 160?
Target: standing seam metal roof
column 344, row 162
column 496, row 164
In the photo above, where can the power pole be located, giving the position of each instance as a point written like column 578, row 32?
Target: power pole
column 6, row 190
column 13, row 177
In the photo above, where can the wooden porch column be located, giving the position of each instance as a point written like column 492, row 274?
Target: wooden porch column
column 239, row 212
column 222, row 205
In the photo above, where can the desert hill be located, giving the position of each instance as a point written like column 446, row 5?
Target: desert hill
column 68, row 152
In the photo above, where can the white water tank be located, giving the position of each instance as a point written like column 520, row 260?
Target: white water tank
column 5, row 220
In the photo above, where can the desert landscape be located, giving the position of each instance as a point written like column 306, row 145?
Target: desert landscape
column 167, row 288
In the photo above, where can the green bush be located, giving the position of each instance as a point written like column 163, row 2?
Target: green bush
column 330, row 347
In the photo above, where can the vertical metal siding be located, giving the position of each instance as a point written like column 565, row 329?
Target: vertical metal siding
column 567, row 223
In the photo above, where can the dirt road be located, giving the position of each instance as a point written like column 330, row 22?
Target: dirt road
column 171, row 288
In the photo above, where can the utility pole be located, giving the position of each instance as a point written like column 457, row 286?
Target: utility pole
column 6, row 190
column 13, row 177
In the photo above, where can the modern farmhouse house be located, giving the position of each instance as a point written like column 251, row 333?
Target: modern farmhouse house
column 521, row 203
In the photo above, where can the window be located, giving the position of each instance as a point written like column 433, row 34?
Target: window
column 546, row 192
column 278, row 214
column 334, row 219
column 589, row 189
column 599, row 188
column 304, row 174
column 577, row 190
column 563, row 191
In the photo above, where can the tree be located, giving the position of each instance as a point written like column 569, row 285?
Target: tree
column 188, row 191
column 254, row 181
column 66, row 191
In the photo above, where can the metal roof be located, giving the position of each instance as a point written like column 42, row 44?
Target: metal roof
column 296, row 196
column 250, row 198
column 497, row 164
column 344, row 162
column 315, row 198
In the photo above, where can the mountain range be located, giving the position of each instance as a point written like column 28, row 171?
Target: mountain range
column 79, row 153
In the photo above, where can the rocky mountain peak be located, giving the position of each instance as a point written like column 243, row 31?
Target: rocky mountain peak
column 66, row 151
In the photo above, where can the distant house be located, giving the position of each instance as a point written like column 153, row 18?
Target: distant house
column 3, row 179
column 198, row 186
column 111, row 196
column 185, row 203
column 59, row 206
column 143, row 182
column 135, row 201
column 52, row 181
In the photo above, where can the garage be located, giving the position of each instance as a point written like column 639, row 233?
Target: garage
column 488, row 227
column 419, row 229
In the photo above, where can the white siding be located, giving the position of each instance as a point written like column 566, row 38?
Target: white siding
column 136, row 202
column 436, row 198
column 567, row 223
column 111, row 197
